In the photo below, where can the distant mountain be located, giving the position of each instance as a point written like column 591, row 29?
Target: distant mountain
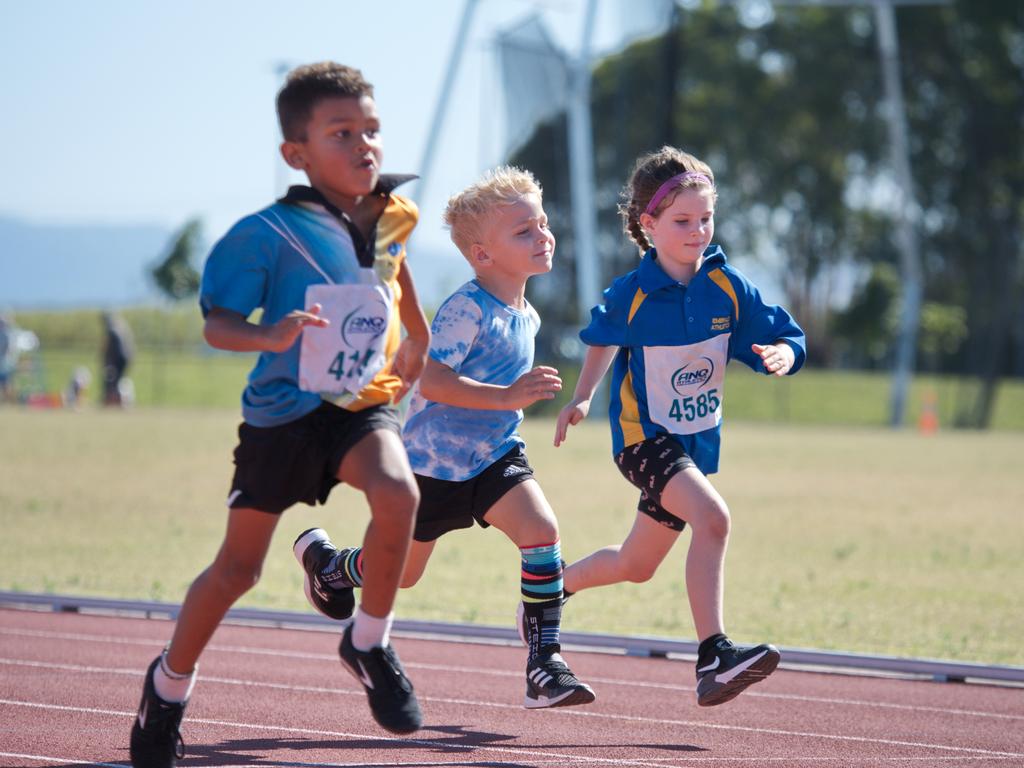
column 52, row 266
column 98, row 266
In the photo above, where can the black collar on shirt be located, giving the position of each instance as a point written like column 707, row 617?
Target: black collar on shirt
column 386, row 184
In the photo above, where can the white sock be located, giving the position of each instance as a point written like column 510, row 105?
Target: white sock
column 172, row 686
column 369, row 631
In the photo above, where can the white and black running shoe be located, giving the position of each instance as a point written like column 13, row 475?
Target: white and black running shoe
column 550, row 683
column 392, row 699
column 723, row 676
column 156, row 740
column 314, row 551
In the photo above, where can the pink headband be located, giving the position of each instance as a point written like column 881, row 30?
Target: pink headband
column 675, row 181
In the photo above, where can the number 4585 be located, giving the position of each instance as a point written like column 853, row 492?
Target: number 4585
column 690, row 408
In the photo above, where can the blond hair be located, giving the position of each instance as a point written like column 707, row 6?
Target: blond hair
column 651, row 171
column 467, row 211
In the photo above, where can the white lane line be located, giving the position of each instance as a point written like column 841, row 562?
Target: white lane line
column 519, row 753
column 51, row 759
column 331, row 658
column 518, row 763
column 549, row 756
column 571, row 712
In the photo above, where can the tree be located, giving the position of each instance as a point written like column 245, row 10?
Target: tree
column 790, row 116
column 783, row 114
column 176, row 276
column 965, row 66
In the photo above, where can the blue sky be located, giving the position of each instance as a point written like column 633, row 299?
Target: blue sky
column 120, row 112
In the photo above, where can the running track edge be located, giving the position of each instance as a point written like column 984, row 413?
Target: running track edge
column 632, row 645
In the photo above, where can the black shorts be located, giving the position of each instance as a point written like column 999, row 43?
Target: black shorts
column 276, row 467
column 649, row 465
column 447, row 505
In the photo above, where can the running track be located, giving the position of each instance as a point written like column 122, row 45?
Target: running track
column 69, row 686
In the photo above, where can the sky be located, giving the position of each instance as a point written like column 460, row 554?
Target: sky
column 124, row 112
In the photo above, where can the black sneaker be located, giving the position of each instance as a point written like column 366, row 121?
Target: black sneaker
column 392, row 698
column 733, row 668
column 156, row 741
column 550, row 683
column 314, row 552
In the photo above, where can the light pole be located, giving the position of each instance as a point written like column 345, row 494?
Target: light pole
column 906, row 207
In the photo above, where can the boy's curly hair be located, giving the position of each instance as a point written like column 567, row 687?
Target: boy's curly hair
column 307, row 85
column 466, row 211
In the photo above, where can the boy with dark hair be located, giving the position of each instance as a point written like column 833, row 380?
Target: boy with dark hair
column 462, row 428
column 326, row 264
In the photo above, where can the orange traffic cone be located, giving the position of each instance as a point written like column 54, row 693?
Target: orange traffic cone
column 928, row 421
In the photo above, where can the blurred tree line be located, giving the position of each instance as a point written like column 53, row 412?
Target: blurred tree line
column 790, row 115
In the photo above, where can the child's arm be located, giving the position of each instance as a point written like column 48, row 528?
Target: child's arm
column 412, row 353
column 444, row 385
column 778, row 358
column 595, row 365
column 229, row 330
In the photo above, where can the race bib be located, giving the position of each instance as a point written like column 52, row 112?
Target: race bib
column 686, row 385
column 346, row 355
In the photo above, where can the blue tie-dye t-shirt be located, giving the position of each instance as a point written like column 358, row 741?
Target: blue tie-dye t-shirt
column 484, row 339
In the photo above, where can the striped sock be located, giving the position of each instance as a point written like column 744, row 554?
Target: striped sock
column 541, row 587
column 345, row 569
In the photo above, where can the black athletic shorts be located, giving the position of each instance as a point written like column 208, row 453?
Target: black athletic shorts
column 649, row 465
column 447, row 505
column 276, row 467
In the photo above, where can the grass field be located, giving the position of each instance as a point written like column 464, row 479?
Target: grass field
column 856, row 539
column 209, row 379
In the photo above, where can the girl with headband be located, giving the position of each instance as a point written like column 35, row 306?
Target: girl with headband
column 670, row 326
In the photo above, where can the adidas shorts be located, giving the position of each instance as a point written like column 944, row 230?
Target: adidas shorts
column 649, row 465
column 447, row 505
column 275, row 467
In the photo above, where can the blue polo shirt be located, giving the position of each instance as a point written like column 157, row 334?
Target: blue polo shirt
column 261, row 263
column 646, row 312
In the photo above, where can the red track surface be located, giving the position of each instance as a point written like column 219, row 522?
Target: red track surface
column 69, row 686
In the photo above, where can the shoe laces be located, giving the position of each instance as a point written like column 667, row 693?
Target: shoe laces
column 389, row 661
column 559, row 670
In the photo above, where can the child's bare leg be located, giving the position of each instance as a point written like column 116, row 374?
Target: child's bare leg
column 416, row 562
column 524, row 515
column 635, row 560
column 691, row 496
column 378, row 466
column 234, row 571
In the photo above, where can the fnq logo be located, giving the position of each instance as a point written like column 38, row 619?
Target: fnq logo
column 363, row 324
column 695, row 374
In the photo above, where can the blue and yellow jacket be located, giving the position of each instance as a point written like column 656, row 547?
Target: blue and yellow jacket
column 649, row 314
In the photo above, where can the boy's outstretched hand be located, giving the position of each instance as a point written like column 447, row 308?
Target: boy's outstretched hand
column 570, row 415
column 282, row 334
column 777, row 358
column 542, row 383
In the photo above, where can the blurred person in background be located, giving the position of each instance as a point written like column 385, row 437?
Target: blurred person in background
column 118, row 351
column 8, row 355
